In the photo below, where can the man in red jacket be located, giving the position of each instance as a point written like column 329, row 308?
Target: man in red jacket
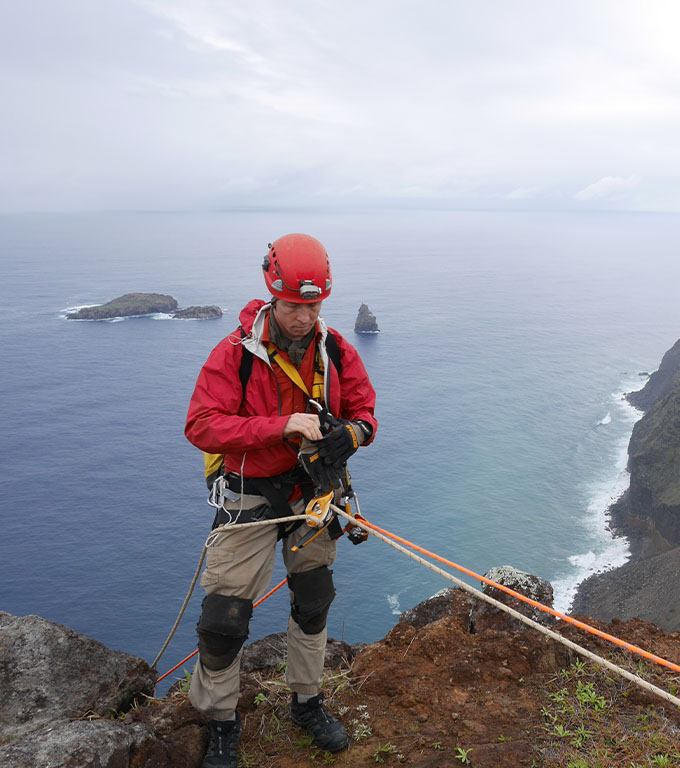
column 251, row 406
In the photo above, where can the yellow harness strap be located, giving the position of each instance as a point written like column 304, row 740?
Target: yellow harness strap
column 288, row 368
column 294, row 375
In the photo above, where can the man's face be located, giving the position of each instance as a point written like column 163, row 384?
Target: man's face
column 296, row 320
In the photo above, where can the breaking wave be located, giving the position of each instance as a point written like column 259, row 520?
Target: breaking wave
column 610, row 551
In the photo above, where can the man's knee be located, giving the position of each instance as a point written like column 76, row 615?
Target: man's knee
column 313, row 593
column 222, row 629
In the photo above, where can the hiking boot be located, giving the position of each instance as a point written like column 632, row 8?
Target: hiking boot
column 326, row 731
column 223, row 748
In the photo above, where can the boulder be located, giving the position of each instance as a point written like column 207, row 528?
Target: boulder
column 270, row 652
column 483, row 615
column 366, row 322
column 50, row 672
column 78, row 744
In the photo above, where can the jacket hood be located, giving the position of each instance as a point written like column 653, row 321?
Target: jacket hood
column 249, row 313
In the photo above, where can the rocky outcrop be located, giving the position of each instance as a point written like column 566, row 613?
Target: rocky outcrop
column 432, row 609
column 366, row 322
column 199, row 313
column 51, row 672
column 484, row 615
column 129, row 305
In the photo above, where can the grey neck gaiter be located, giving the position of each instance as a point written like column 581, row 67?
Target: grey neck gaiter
column 295, row 348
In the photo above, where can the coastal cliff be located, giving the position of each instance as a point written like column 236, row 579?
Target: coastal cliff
column 648, row 513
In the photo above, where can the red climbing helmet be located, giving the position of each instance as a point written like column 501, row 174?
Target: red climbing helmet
column 297, row 269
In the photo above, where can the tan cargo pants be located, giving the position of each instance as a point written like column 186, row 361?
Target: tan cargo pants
column 240, row 564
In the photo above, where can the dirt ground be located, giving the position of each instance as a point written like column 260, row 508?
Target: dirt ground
column 499, row 698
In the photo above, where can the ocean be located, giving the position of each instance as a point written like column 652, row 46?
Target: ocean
column 507, row 341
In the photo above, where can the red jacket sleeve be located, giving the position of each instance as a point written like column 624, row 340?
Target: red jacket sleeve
column 214, row 423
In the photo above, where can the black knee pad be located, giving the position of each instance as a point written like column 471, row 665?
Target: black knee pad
column 222, row 629
column 313, row 593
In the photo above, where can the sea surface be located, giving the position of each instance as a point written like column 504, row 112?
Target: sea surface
column 506, row 344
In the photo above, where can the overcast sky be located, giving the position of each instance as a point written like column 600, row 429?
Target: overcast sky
column 189, row 104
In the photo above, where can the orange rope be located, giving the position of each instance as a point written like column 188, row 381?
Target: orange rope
column 191, row 655
column 581, row 625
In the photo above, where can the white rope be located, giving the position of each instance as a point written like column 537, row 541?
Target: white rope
column 181, row 610
column 210, row 541
column 516, row 614
column 233, row 526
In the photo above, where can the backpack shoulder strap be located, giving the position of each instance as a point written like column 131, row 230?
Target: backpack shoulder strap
column 246, row 367
column 333, row 351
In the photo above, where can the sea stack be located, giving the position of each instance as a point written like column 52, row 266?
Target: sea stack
column 366, row 322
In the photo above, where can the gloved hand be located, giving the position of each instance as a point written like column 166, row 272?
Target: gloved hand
column 340, row 443
column 324, row 476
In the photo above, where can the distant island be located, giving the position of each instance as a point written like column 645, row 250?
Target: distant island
column 136, row 304
column 366, row 322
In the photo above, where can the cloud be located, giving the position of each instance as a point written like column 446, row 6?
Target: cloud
column 523, row 193
column 607, row 186
column 160, row 103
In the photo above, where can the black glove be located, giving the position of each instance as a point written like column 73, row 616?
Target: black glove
column 324, row 476
column 339, row 444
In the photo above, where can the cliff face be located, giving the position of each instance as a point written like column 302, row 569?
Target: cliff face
column 654, row 464
column 648, row 513
column 661, row 382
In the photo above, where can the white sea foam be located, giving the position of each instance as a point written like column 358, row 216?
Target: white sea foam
column 64, row 313
column 605, row 420
column 610, row 551
column 393, row 601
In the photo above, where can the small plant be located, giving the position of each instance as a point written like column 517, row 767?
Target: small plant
column 587, row 696
column 187, row 682
column 436, row 745
column 561, row 732
column 246, row 760
column 663, row 761
column 304, row 741
column 259, row 699
column 382, row 751
column 463, row 755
